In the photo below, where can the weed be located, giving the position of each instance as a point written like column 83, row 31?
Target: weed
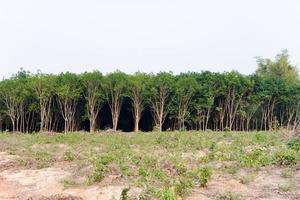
column 256, row 158
column 182, row 186
column 69, row 183
column 100, row 168
column 203, row 175
column 69, row 156
column 294, row 144
column 285, row 157
column 287, row 173
column 287, row 187
column 169, row 194
column 228, row 196
column 124, row 194
column 246, row 179
column 154, row 160
column 231, row 169
column 143, row 172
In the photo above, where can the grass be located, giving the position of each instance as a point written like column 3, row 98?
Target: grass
column 228, row 196
column 165, row 165
column 287, row 173
column 248, row 178
column 287, row 187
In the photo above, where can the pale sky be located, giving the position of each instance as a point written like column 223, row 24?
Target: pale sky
column 145, row 35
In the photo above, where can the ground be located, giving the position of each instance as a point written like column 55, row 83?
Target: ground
column 168, row 165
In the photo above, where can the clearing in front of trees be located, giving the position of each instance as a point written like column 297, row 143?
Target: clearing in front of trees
column 168, row 165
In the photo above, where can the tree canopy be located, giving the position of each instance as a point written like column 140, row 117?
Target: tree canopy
column 265, row 100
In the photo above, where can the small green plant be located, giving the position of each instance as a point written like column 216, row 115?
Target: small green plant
column 41, row 155
column 180, row 168
column 124, row 194
column 203, row 175
column 143, row 172
column 100, row 168
column 228, row 196
column 69, row 183
column 182, row 186
column 212, row 146
column 23, row 162
column 69, row 156
column 169, row 194
column 42, row 158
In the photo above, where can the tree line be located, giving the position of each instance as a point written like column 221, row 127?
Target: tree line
column 266, row 100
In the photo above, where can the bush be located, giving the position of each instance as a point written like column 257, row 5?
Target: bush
column 256, row 158
column 285, row 157
column 203, row 175
column 294, row 144
column 260, row 137
column 100, row 168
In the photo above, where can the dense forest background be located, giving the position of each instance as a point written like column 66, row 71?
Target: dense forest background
column 266, row 100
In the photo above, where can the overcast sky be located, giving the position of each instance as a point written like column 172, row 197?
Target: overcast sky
column 146, row 35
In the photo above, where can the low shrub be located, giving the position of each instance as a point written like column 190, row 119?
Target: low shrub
column 256, row 158
column 285, row 157
column 294, row 144
column 203, row 175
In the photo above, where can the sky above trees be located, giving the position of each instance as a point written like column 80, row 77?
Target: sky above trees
column 148, row 36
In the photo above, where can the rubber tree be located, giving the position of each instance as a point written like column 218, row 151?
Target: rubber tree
column 115, row 88
column 8, row 94
column 203, row 101
column 68, row 91
column 237, row 86
column 94, row 95
column 185, row 89
column 43, row 86
column 159, row 97
column 137, row 92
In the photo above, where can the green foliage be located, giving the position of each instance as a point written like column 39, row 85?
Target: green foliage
column 169, row 194
column 228, row 101
column 100, row 168
column 285, row 157
column 294, row 144
column 256, row 158
column 280, row 68
column 203, row 175
column 69, row 156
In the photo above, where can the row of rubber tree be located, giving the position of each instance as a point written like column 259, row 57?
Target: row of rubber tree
column 266, row 100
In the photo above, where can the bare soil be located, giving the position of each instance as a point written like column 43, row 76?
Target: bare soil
column 46, row 184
